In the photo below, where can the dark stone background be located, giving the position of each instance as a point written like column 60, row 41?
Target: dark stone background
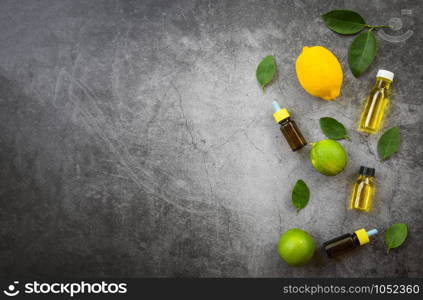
column 135, row 140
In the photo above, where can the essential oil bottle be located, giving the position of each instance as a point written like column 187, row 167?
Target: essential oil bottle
column 376, row 103
column 347, row 242
column 288, row 127
column 363, row 190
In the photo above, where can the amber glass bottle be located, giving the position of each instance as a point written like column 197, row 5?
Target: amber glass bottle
column 363, row 190
column 289, row 129
column 347, row 242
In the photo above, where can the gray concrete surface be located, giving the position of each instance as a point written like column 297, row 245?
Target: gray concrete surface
column 135, row 140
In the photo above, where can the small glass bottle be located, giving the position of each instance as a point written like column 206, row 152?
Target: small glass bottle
column 376, row 103
column 347, row 242
column 363, row 190
column 288, row 127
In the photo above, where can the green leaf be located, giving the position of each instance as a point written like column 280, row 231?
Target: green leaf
column 300, row 195
column 395, row 236
column 266, row 70
column 389, row 143
column 362, row 52
column 333, row 129
column 344, row 21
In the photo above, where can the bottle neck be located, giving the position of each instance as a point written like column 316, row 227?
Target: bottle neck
column 382, row 83
column 285, row 121
column 368, row 177
column 355, row 240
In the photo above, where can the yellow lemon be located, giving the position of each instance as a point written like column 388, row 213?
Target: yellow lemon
column 319, row 72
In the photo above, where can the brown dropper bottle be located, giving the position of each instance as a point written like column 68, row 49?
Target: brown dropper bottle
column 348, row 242
column 289, row 128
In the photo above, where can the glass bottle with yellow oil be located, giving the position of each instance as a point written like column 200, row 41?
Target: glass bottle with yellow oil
column 363, row 190
column 376, row 103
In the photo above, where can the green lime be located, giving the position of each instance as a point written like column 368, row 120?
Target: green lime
column 296, row 247
column 328, row 157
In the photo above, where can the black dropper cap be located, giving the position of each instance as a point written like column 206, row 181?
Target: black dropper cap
column 367, row 171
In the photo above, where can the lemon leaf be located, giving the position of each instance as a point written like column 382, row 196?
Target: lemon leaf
column 344, row 21
column 389, row 143
column 333, row 129
column 362, row 52
column 300, row 195
column 266, row 71
column 395, row 236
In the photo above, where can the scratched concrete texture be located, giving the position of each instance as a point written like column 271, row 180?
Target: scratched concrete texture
column 135, row 140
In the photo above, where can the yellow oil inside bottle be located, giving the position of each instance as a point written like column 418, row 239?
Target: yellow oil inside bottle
column 375, row 106
column 362, row 194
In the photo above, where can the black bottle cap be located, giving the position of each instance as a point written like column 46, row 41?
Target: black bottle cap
column 367, row 171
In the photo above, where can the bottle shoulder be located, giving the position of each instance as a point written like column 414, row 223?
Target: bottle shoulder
column 355, row 240
column 380, row 90
column 365, row 180
column 286, row 121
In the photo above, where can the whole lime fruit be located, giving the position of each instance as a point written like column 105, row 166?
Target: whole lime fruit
column 328, row 157
column 296, row 247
